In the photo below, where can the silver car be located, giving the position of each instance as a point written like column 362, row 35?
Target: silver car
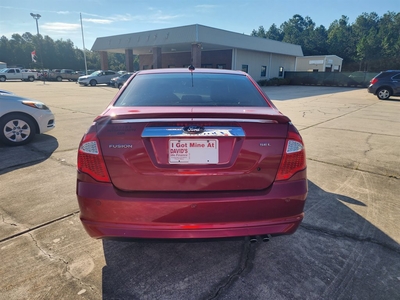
column 21, row 118
column 118, row 82
column 97, row 77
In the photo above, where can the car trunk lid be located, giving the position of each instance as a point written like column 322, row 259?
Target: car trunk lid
column 192, row 148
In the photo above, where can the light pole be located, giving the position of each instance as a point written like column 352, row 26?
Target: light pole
column 37, row 17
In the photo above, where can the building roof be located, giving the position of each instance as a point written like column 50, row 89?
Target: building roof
column 322, row 56
column 180, row 39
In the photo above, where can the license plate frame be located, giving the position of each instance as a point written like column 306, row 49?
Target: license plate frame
column 193, row 151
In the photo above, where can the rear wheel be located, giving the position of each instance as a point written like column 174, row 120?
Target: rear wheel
column 31, row 79
column 59, row 78
column 2, row 78
column 93, row 82
column 16, row 129
column 383, row 93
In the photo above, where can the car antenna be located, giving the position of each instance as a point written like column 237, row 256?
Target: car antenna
column 191, row 68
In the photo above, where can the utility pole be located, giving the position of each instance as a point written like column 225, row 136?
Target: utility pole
column 37, row 17
column 83, row 41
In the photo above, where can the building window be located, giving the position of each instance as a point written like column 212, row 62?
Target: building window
column 280, row 71
column 221, row 66
column 263, row 71
column 245, row 68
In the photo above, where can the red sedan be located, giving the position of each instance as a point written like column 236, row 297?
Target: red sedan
column 184, row 153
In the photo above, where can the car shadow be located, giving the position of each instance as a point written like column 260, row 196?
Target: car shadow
column 333, row 243
column 391, row 99
column 17, row 157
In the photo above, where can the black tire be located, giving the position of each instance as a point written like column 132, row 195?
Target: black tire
column 16, row 129
column 31, row 79
column 59, row 78
column 2, row 78
column 120, row 85
column 93, row 82
column 383, row 93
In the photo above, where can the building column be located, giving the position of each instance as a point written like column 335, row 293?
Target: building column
column 129, row 60
column 104, row 60
column 157, row 58
column 196, row 55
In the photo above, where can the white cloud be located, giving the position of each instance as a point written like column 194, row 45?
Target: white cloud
column 155, row 17
column 98, row 21
column 206, row 6
column 160, row 17
column 60, row 27
column 65, row 12
column 126, row 17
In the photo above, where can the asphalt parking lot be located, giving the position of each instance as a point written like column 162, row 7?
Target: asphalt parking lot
column 348, row 246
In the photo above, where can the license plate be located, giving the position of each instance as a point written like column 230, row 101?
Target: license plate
column 192, row 151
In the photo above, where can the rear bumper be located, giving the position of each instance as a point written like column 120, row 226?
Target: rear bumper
column 371, row 89
column 107, row 212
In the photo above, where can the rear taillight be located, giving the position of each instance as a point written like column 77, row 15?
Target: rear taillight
column 373, row 80
column 293, row 158
column 90, row 158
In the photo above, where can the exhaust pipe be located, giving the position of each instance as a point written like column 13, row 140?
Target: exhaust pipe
column 266, row 238
column 253, row 239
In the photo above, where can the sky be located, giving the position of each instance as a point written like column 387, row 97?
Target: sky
column 62, row 19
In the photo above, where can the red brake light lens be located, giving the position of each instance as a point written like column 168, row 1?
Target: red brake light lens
column 293, row 158
column 90, row 158
column 374, row 80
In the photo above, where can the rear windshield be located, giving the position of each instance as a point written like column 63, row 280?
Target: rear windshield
column 183, row 89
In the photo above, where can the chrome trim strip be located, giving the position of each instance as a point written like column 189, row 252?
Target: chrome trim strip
column 213, row 131
column 125, row 121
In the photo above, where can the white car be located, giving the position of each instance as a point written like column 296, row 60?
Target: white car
column 21, row 118
column 97, row 77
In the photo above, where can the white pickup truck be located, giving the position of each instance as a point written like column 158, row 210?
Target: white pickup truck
column 15, row 73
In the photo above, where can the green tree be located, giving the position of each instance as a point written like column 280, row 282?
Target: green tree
column 372, row 43
column 274, row 33
column 299, row 31
column 340, row 39
column 365, row 30
column 389, row 37
column 259, row 33
column 5, row 52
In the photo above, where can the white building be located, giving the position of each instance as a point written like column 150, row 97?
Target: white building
column 201, row 46
column 319, row 63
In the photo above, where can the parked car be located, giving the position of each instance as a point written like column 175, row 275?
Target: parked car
column 119, row 81
column 16, row 73
column 42, row 75
column 198, row 153
column 21, row 118
column 385, row 84
column 97, row 77
column 66, row 74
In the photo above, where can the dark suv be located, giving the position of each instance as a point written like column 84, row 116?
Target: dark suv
column 385, row 84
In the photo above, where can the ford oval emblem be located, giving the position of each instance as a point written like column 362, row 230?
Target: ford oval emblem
column 193, row 129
